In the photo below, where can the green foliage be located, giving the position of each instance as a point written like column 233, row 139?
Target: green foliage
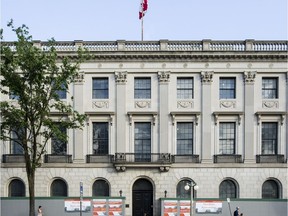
column 35, row 77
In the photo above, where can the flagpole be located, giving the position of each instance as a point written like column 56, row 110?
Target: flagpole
column 142, row 27
column 144, row 7
column 142, row 21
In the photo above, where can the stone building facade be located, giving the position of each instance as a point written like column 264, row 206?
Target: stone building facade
column 164, row 113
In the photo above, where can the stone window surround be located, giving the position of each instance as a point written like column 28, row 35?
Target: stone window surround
column 98, row 117
column 229, row 117
column 185, row 117
column 271, row 117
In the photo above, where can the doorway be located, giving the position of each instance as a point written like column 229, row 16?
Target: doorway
column 142, row 198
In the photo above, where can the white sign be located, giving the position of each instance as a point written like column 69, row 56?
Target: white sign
column 209, row 206
column 73, row 205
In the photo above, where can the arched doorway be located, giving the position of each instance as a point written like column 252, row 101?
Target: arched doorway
column 142, row 198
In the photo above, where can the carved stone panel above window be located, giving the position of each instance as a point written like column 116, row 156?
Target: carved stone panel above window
column 185, row 104
column 100, row 104
column 142, row 104
column 227, row 104
column 270, row 104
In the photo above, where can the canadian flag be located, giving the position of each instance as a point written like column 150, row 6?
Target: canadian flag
column 143, row 8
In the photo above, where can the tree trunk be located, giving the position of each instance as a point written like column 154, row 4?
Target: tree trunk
column 31, row 183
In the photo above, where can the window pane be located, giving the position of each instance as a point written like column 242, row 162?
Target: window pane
column 142, row 88
column 16, row 147
column 227, row 138
column 13, row 96
column 100, row 188
column 16, row 188
column 269, row 137
column 59, row 144
column 270, row 190
column 59, row 188
column 62, row 94
column 181, row 192
column 184, row 138
column 184, row 88
column 269, row 88
column 227, row 190
column 100, row 88
column 227, row 88
column 142, row 141
column 100, row 138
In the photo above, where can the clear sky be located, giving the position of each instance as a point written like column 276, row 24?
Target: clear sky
column 110, row 20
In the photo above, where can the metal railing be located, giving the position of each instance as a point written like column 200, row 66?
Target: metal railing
column 142, row 158
column 13, row 158
column 270, row 158
column 228, row 158
column 53, row 158
column 92, row 158
column 187, row 158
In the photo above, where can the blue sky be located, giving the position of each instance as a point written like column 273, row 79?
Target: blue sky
column 110, row 20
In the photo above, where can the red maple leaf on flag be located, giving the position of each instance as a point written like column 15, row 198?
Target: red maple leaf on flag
column 143, row 8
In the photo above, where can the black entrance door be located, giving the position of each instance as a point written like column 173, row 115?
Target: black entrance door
column 142, row 198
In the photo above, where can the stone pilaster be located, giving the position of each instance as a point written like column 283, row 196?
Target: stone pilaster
column 287, row 116
column 206, row 110
column 121, row 80
column 249, row 134
column 78, row 144
column 164, row 79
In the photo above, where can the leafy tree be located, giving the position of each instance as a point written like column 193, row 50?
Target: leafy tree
column 34, row 78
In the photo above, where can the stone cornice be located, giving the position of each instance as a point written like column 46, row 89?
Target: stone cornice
column 176, row 56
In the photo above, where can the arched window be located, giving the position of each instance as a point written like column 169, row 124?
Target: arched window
column 100, row 188
column 270, row 190
column 16, row 188
column 181, row 192
column 59, row 188
column 228, row 189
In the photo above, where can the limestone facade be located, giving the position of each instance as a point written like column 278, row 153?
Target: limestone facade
column 164, row 62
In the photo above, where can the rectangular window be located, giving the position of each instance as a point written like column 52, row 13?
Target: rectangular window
column 100, row 88
column 62, row 94
column 142, row 88
column 16, row 147
column 100, row 138
column 185, row 88
column 269, row 88
column 227, row 136
column 269, row 137
column 142, row 141
column 59, row 143
column 13, row 96
column 227, row 88
column 184, row 138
